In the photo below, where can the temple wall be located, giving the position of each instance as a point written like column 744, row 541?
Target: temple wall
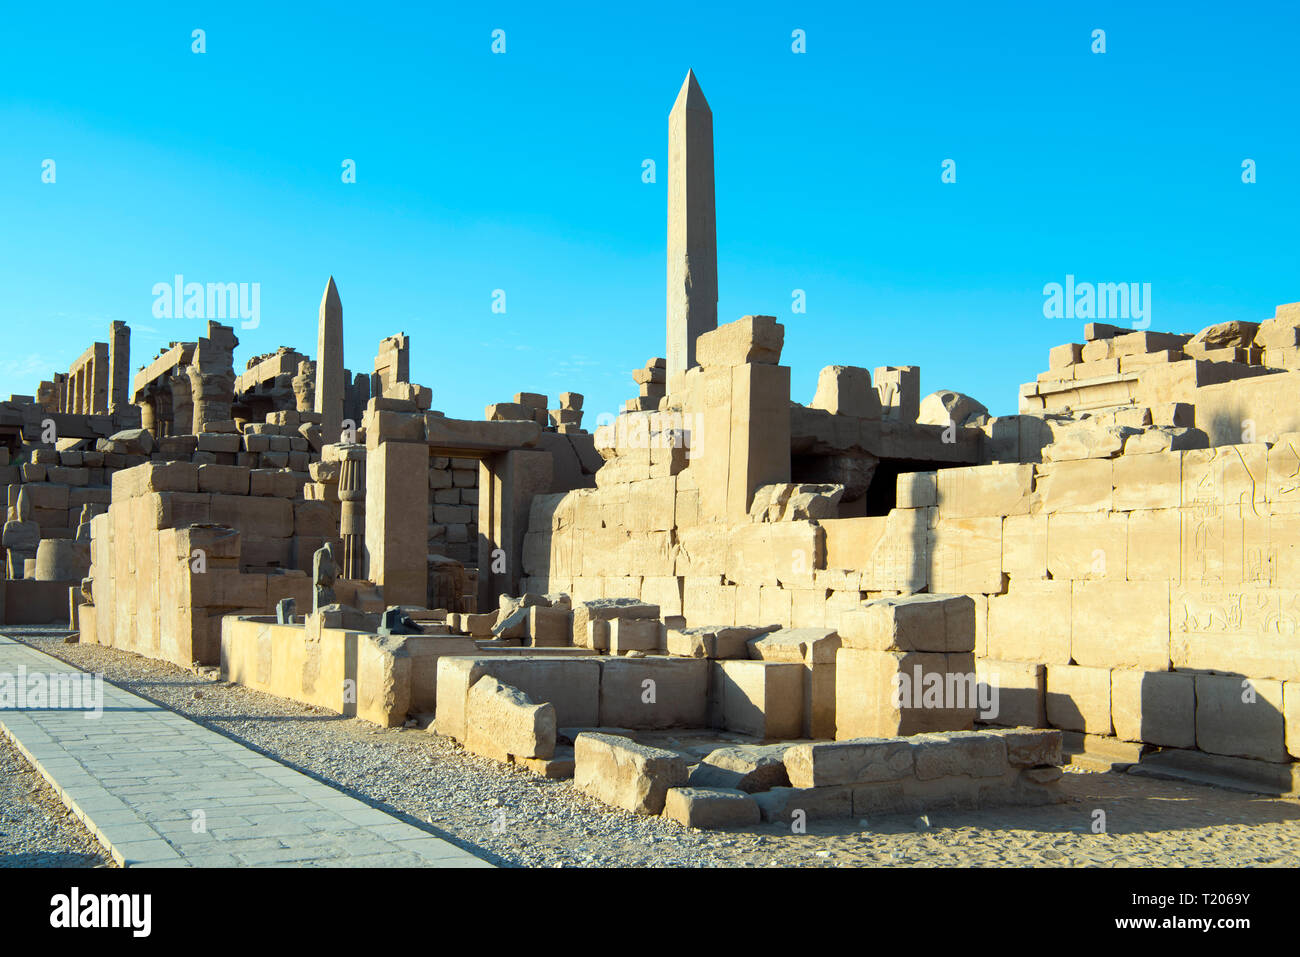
column 1149, row 598
column 181, row 545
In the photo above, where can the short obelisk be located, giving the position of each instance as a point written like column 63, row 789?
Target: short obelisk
column 329, row 365
column 692, row 230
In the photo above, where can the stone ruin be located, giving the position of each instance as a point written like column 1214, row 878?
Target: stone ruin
column 726, row 605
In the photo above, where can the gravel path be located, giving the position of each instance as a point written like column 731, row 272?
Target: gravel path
column 36, row 829
column 515, row 818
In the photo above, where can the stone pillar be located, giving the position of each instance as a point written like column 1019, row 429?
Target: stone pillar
column 397, row 530
column 304, row 387
column 212, row 376
column 329, row 366
column 119, row 366
column 98, row 379
column 352, row 513
column 149, row 414
column 182, row 404
column 692, row 229
column 506, row 486
column 21, row 537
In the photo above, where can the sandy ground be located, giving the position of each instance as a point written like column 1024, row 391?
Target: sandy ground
column 515, row 818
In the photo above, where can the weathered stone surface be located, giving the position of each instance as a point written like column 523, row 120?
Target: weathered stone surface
column 940, row 623
column 846, row 390
column 1157, row 707
column 855, row 761
column 714, row 642
column 706, row 807
column 946, row 407
column 751, row 339
column 747, row 767
column 621, row 772
column 502, row 721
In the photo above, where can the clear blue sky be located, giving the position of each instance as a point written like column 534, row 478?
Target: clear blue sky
column 522, row 172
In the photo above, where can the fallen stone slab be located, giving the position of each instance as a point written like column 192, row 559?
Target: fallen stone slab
column 711, row 807
column 748, row 768
column 625, row 774
column 502, row 721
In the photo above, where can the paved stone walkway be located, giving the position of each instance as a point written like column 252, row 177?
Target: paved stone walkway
column 159, row 790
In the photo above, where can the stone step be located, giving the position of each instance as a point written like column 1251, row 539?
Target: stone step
column 1234, row 774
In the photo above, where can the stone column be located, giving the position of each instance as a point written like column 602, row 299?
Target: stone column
column 329, row 365
column 182, row 405
column 212, row 376
column 352, row 514
column 148, row 414
column 119, row 366
column 304, row 386
column 397, row 529
column 21, row 537
column 692, row 230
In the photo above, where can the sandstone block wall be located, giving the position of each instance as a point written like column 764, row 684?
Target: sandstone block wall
column 169, row 558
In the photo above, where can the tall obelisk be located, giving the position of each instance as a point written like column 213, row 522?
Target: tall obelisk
column 329, row 364
column 692, row 230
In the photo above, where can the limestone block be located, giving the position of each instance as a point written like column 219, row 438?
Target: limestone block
column 225, row 479
column 748, row 339
column 846, row 390
column 218, row 442
column 1241, row 717
column 1078, row 698
column 965, row 555
column 1024, row 547
column 571, row 684
column 858, row 761
column 654, row 692
column 1156, row 707
column 786, row 805
column 917, row 490
column 884, row 694
column 1005, row 489
column 548, row 627
column 1017, row 692
column 1030, row 747
column 621, row 772
column 912, row 623
column 767, row 553
column 974, row 754
column 709, row 602
column 502, row 721
column 1120, row 625
column 1079, row 486
column 253, row 516
column 713, row 641
column 1081, row 545
column 277, row 483
column 808, row 645
column 1227, row 475
column 1059, row 357
column 605, row 609
column 635, row 634
column 746, row 767
column 706, row 807
column 1155, row 545
column 760, row 698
